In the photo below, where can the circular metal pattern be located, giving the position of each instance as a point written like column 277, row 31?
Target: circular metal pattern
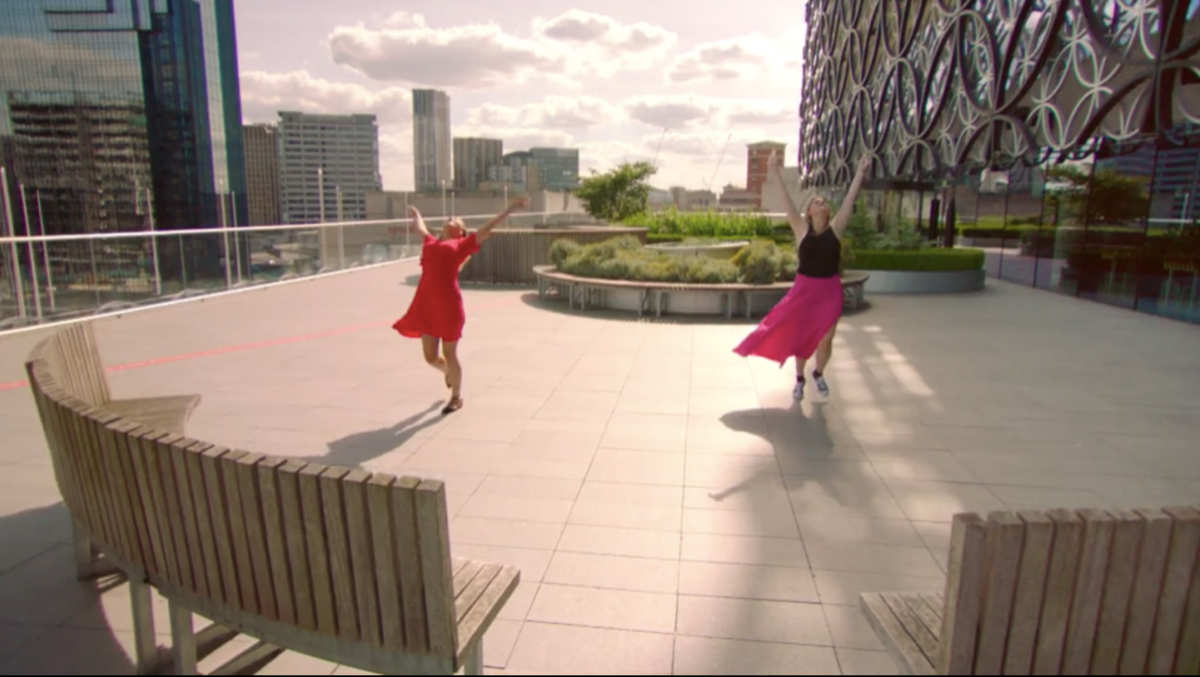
column 933, row 87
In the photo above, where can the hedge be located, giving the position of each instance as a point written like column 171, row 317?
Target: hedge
column 782, row 238
column 927, row 260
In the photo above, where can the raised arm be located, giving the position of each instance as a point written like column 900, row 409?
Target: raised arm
column 418, row 222
column 798, row 223
column 485, row 232
column 842, row 220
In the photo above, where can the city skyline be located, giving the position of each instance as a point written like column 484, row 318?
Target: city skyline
column 631, row 83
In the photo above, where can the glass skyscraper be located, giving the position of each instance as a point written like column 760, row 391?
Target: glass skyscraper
column 108, row 107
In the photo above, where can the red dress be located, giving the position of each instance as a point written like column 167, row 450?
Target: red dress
column 437, row 307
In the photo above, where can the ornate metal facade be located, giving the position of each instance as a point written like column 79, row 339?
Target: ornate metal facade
column 931, row 87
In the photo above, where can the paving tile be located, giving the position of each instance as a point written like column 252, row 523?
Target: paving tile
column 708, row 656
column 515, row 508
column 739, row 523
column 743, row 581
column 531, row 563
column 505, row 533
column 529, row 487
column 653, row 400
column 845, row 587
column 935, row 535
column 940, row 501
column 850, row 628
column 647, row 432
column 857, row 530
column 705, row 436
column 292, row 663
column 637, row 467
column 555, row 445
column 604, row 608
column 626, row 515
column 758, row 494
column 92, row 652
column 786, row 552
column 614, row 573
column 545, row 649
column 615, row 541
column 499, row 642
column 855, row 662
column 754, row 620
column 632, row 494
column 44, row 591
column 717, row 471
column 871, row 558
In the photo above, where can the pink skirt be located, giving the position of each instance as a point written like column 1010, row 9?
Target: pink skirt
column 795, row 327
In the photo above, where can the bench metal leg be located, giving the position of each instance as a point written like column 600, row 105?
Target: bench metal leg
column 473, row 659
column 146, row 645
column 662, row 301
column 183, row 640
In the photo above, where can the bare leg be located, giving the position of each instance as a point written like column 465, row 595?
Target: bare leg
column 825, row 350
column 429, row 344
column 800, row 363
column 454, row 373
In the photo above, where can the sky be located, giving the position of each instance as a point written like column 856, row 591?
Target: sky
column 623, row 80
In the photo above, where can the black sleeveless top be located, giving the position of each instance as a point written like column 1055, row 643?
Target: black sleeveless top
column 820, row 255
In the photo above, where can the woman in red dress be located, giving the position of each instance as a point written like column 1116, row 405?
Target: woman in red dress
column 436, row 315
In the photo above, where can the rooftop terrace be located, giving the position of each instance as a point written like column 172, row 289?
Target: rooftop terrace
column 670, row 509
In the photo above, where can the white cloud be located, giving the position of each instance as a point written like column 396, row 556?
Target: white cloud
column 554, row 112
column 264, row 94
column 747, row 56
column 685, row 111
column 406, row 49
column 395, row 158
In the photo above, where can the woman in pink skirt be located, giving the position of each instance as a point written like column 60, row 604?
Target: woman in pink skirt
column 805, row 321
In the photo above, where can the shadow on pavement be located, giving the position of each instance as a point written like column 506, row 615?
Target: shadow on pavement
column 358, row 448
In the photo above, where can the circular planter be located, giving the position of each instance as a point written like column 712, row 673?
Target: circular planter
column 723, row 251
column 924, row 282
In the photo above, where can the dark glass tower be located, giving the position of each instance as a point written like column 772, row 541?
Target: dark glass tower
column 107, row 106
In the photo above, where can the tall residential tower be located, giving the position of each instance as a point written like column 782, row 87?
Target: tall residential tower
column 336, row 152
column 262, row 174
column 431, row 140
column 473, row 158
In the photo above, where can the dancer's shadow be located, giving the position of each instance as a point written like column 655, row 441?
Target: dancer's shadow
column 358, row 448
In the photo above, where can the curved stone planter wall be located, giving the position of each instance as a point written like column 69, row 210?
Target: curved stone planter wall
column 723, row 251
column 924, row 282
column 511, row 253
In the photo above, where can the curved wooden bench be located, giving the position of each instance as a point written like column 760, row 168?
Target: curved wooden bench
column 1057, row 592
column 345, row 565
column 655, row 295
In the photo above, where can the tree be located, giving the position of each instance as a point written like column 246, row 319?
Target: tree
column 1104, row 197
column 618, row 193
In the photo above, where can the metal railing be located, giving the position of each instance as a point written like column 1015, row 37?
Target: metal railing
column 54, row 278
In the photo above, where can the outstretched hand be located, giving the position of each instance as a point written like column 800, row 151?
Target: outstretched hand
column 519, row 203
column 413, row 212
column 864, row 166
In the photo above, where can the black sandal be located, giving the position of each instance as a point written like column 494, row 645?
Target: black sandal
column 452, row 406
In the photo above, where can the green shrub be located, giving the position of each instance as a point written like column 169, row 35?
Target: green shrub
column 623, row 258
column 703, row 224
column 931, row 260
column 759, row 262
column 562, row 249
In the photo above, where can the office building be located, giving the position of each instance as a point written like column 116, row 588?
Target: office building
column 472, row 159
column 262, row 174
column 114, row 105
column 432, row 170
column 558, row 168
column 758, row 160
column 321, row 156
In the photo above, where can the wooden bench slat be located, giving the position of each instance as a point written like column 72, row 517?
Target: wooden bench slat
column 926, row 643
column 1030, row 591
column 176, row 455
column 93, row 366
column 95, row 518
column 1128, row 527
column 205, row 531
column 345, row 598
column 473, row 589
column 1004, row 541
column 214, row 494
column 1178, row 579
column 169, row 413
column 923, row 606
column 108, row 436
column 1188, row 660
column 897, row 639
column 161, row 450
column 485, row 609
column 408, row 559
column 1143, row 605
column 379, row 508
column 463, row 572
column 147, row 448
column 276, row 541
column 1060, row 588
column 246, row 469
column 964, row 585
column 433, row 531
column 1089, row 588
column 318, row 552
column 358, row 531
column 242, row 564
column 297, row 547
column 137, row 514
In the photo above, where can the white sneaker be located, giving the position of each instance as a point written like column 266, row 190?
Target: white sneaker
column 798, row 391
column 821, row 384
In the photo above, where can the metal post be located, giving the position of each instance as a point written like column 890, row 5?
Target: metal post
column 33, row 274
column 18, row 285
column 237, row 243
column 321, row 191
column 225, row 235
column 154, row 246
column 341, row 217
column 453, row 208
column 37, row 193
column 443, row 197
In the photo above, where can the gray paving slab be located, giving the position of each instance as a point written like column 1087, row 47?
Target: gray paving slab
column 669, row 505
